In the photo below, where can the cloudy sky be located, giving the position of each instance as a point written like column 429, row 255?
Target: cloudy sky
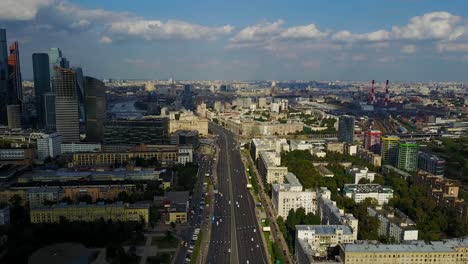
column 399, row 40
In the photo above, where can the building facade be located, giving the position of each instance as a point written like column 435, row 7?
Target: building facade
column 408, row 156
column 360, row 192
column 372, row 140
column 346, row 129
column 3, row 77
column 95, row 103
column 270, row 169
column 291, row 195
column 431, row 163
column 389, row 150
column 90, row 212
column 131, row 132
column 395, row 226
column 49, row 145
column 41, row 77
column 66, row 104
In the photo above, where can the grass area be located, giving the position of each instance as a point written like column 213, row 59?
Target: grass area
column 196, row 249
column 161, row 258
column 165, row 242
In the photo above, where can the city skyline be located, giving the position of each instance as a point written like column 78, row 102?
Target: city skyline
column 394, row 40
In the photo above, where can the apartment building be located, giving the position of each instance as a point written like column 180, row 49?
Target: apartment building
column 359, row 173
column 394, row 225
column 291, row 195
column 269, row 167
column 360, row 192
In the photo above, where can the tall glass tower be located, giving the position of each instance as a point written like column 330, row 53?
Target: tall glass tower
column 41, row 74
column 95, row 109
column 14, row 76
column 66, row 105
column 3, row 77
column 346, row 129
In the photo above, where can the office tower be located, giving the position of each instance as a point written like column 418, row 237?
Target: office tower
column 14, row 116
column 49, row 110
column 49, row 145
column 80, row 83
column 15, row 86
column 408, row 156
column 431, row 163
column 3, row 77
column 131, row 132
column 95, row 109
column 56, row 59
column 66, row 105
column 389, row 150
column 372, row 140
column 41, row 75
column 346, row 129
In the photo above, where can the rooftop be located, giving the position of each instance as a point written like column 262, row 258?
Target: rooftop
column 417, row 246
column 325, row 229
column 366, row 188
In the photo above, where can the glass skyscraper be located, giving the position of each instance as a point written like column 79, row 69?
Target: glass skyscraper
column 41, row 87
column 346, row 129
column 15, row 85
column 95, row 109
column 66, row 105
column 3, row 77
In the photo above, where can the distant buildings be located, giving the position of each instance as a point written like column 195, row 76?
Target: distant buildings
column 408, row 156
column 291, row 195
column 346, row 129
column 372, row 140
column 3, row 77
column 90, row 212
column 389, row 150
column 316, row 241
column 95, row 104
column 370, row 157
column 395, row 226
column 269, row 167
column 23, row 155
column 66, row 104
column 360, row 192
column 40, row 62
column 431, row 163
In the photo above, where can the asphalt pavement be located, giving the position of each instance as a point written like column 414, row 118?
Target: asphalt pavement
column 235, row 234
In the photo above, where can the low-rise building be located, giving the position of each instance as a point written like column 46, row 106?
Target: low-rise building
column 291, row 195
column 315, row 241
column 176, row 205
column 370, row 157
column 40, row 195
column 391, row 170
column 360, row 192
column 90, row 212
column 80, row 147
column 269, row 167
column 335, row 147
column 360, row 173
column 451, row 251
column 17, row 156
column 324, row 172
column 394, row 225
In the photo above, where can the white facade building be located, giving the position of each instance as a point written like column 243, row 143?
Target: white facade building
column 360, row 173
column 80, row 147
column 291, row 195
column 267, row 144
column 394, row 225
column 315, row 240
column 49, row 145
column 185, row 154
column 269, row 167
column 360, row 192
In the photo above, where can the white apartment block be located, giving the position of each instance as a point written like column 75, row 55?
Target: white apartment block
column 291, row 195
column 300, row 145
column 185, row 154
column 360, row 173
column 269, row 167
column 394, row 225
column 80, row 147
column 315, row 240
column 267, row 144
column 360, row 192
column 49, row 145
column 330, row 214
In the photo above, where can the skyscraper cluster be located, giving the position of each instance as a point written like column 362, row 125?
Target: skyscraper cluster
column 64, row 97
column 11, row 89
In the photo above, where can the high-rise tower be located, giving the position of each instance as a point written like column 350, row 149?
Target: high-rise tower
column 15, row 86
column 346, row 129
column 41, row 75
column 3, row 77
column 95, row 109
column 372, row 140
column 408, row 156
column 66, row 104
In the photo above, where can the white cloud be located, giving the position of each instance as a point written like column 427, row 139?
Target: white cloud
column 258, row 33
column 172, row 29
column 408, row 49
column 453, row 47
column 310, row 31
column 435, row 25
column 105, row 40
column 21, row 9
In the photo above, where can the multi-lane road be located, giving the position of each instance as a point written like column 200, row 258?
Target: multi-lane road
column 235, row 234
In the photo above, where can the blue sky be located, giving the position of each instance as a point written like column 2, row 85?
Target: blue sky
column 400, row 40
